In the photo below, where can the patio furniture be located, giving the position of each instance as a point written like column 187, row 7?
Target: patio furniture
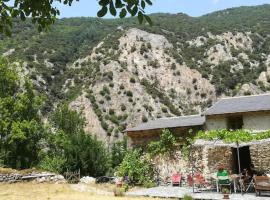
column 176, row 179
column 262, row 183
column 223, row 180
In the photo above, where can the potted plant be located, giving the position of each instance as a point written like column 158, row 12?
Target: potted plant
column 226, row 192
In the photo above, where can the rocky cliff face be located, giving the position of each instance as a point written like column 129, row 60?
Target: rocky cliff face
column 139, row 79
column 120, row 74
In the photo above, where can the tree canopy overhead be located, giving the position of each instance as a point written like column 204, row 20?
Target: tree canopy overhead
column 43, row 12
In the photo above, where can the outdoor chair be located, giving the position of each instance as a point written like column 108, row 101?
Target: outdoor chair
column 176, row 179
column 262, row 183
column 223, row 181
column 199, row 182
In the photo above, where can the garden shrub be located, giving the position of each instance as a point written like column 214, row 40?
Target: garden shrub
column 138, row 168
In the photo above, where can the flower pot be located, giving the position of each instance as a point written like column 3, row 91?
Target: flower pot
column 226, row 196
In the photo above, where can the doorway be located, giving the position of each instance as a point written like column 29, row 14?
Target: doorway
column 245, row 159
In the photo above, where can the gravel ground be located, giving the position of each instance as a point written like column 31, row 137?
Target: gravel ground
column 180, row 192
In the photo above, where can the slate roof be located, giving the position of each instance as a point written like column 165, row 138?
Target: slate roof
column 240, row 104
column 172, row 122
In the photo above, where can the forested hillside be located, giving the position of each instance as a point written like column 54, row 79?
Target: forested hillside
column 119, row 73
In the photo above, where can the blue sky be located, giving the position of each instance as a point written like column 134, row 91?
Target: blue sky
column 191, row 7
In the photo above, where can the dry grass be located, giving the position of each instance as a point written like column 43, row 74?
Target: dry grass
column 34, row 191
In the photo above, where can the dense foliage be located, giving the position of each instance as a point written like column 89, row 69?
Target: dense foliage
column 137, row 167
column 20, row 126
column 75, row 148
column 165, row 145
column 44, row 12
column 232, row 135
column 26, row 142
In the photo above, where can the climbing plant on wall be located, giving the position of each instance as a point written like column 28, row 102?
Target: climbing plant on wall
column 232, row 135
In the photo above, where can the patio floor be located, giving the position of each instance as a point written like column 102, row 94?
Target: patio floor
column 180, row 192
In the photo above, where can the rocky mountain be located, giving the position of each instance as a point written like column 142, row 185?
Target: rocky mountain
column 119, row 73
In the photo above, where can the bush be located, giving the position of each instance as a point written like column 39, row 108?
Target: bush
column 111, row 111
column 137, row 167
column 123, row 107
column 132, row 80
column 144, row 119
column 164, row 109
column 129, row 93
column 53, row 164
column 122, row 87
column 166, row 144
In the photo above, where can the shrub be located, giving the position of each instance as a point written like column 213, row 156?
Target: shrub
column 108, row 98
column 111, row 111
column 129, row 93
column 164, row 109
column 166, row 144
column 173, row 66
column 122, row 87
column 104, row 125
column 123, row 107
column 137, row 167
column 52, row 164
column 144, row 119
column 133, row 48
column 132, row 80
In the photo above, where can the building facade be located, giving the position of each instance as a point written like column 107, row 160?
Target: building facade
column 251, row 113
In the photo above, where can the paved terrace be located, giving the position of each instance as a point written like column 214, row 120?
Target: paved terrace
column 180, row 192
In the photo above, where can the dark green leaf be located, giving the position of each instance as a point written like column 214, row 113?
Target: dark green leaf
column 118, row 4
column 112, row 9
column 123, row 13
column 140, row 17
column 104, row 2
column 102, row 12
column 149, row 2
column 143, row 4
column 148, row 19
column 134, row 11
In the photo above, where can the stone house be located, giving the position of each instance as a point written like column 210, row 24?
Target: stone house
column 249, row 112
column 179, row 126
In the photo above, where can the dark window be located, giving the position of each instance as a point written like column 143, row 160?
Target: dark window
column 235, row 122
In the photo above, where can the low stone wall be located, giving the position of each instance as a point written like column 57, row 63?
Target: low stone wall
column 38, row 177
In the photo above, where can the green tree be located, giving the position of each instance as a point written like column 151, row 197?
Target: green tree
column 67, row 120
column 73, row 147
column 44, row 13
column 20, row 126
column 138, row 168
column 118, row 152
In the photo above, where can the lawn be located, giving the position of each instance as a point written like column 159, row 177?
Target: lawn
column 45, row 191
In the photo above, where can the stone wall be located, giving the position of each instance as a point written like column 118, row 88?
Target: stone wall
column 216, row 156
column 165, row 166
column 260, row 156
column 207, row 158
column 38, row 177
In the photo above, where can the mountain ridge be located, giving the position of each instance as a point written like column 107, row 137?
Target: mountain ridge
column 119, row 73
